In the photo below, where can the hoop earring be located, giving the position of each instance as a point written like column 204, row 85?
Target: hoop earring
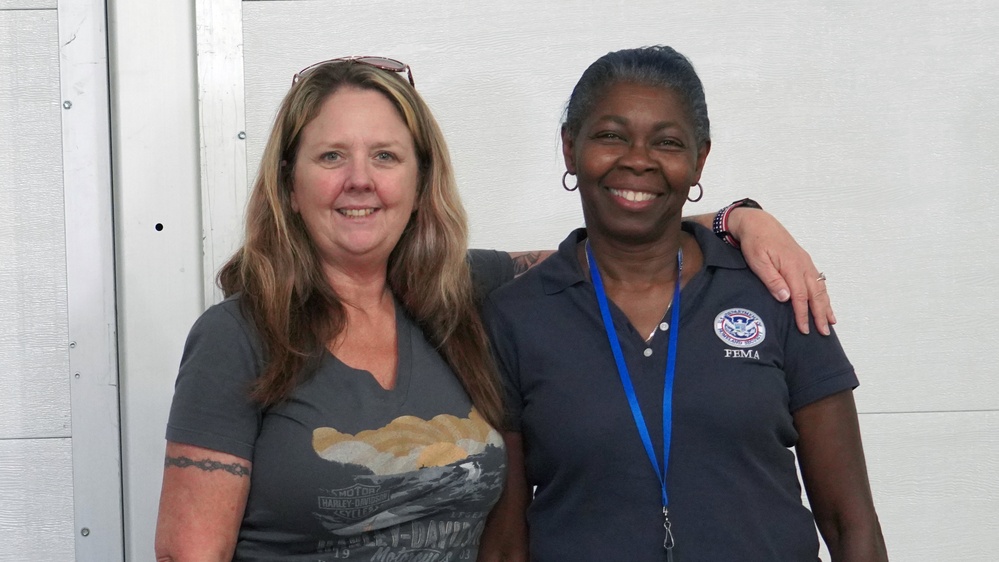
column 566, row 187
column 699, row 195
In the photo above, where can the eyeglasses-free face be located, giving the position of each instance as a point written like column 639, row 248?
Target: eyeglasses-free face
column 382, row 63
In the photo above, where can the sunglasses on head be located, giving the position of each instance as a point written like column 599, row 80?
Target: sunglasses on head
column 382, row 63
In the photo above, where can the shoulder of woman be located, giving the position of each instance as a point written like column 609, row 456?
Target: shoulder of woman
column 229, row 314
column 226, row 325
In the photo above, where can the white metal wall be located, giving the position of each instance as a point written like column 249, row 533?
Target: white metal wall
column 60, row 484
column 154, row 131
column 36, row 476
column 870, row 129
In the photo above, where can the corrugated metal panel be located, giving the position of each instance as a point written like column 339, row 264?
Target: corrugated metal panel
column 90, row 268
column 27, row 4
column 34, row 360
column 160, row 290
column 36, row 500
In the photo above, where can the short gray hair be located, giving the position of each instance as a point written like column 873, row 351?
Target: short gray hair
column 656, row 66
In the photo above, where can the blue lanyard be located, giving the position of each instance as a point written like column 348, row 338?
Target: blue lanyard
column 629, row 389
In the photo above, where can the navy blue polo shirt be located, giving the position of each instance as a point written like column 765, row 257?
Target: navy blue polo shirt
column 742, row 369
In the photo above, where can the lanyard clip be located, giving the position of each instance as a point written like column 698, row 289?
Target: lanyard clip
column 668, row 542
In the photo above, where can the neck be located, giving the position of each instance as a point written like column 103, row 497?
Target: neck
column 362, row 287
column 623, row 263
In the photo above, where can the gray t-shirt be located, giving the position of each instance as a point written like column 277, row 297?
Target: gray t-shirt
column 344, row 469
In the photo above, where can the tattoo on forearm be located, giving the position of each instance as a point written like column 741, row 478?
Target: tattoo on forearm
column 525, row 261
column 208, row 465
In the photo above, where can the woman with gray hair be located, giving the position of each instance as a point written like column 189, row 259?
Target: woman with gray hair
column 646, row 426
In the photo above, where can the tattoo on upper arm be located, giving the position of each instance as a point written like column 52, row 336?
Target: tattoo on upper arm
column 525, row 261
column 208, row 465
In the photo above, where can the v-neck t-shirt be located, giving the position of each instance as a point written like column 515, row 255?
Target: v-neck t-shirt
column 344, row 469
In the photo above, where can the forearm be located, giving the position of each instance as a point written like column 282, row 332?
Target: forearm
column 834, row 472
column 855, row 542
column 740, row 220
column 201, row 504
column 522, row 261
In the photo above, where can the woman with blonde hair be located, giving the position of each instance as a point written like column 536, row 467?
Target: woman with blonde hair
column 343, row 390
column 341, row 401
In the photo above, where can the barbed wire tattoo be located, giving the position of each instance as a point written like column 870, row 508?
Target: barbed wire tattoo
column 208, row 465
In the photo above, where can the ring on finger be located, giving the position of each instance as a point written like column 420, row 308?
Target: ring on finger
column 822, row 277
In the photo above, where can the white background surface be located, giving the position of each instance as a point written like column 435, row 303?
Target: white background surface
column 36, row 469
column 870, row 129
column 60, row 466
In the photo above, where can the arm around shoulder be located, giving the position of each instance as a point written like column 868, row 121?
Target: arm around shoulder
column 201, row 504
column 783, row 266
column 834, row 472
column 522, row 261
column 776, row 258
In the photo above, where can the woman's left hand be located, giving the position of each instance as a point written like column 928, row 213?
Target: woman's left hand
column 783, row 265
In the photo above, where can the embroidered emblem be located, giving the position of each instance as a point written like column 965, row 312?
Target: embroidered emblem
column 740, row 327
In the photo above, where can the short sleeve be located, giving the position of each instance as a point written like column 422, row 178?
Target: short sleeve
column 211, row 404
column 490, row 270
column 815, row 366
column 504, row 352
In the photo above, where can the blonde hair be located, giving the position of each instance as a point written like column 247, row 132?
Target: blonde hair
column 278, row 276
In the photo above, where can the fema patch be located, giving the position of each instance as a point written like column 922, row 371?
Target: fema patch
column 740, row 327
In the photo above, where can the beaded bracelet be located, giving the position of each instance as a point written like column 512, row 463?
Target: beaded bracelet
column 720, row 224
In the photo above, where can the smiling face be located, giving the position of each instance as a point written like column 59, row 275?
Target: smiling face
column 635, row 157
column 355, row 178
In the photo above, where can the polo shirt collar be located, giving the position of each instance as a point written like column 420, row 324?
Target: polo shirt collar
column 715, row 251
column 565, row 270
